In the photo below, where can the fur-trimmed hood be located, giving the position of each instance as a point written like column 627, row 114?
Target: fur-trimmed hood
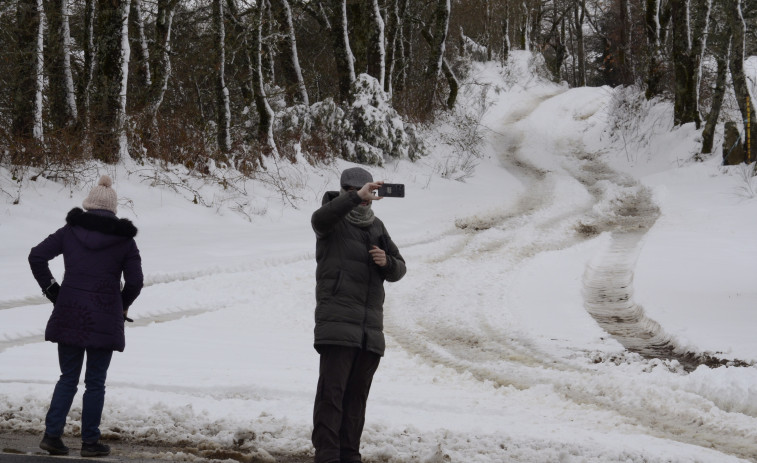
column 110, row 229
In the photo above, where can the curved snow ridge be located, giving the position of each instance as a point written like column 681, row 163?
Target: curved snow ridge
column 608, row 297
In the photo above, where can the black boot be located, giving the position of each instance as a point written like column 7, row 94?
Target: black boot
column 94, row 450
column 54, row 445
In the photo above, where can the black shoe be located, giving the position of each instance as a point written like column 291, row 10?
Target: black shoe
column 54, row 445
column 94, row 450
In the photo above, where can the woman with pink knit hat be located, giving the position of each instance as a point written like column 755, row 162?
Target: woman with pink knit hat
column 89, row 308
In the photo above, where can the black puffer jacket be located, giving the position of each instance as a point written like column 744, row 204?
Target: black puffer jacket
column 349, row 285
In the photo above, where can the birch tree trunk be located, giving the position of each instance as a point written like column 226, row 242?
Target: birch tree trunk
column 27, row 94
column 296, row 92
column 525, row 41
column 161, row 66
column 61, row 97
column 85, row 78
column 223, row 111
column 708, row 134
column 341, row 44
column 392, row 27
column 738, row 28
column 376, row 51
column 579, row 15
column 139, row 46
column 701, row 28
column 438, row 30
column 265, row 127
column 448, row 73
column 109, row 80
column 402, row 58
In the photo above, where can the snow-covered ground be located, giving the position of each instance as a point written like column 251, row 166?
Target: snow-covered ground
column 498, row 339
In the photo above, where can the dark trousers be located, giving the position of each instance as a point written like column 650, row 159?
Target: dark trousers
column 71, row 360
column 345, row 379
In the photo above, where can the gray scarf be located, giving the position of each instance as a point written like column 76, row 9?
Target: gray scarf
column 361, row 216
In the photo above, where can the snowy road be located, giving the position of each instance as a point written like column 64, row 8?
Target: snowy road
column 514, row 338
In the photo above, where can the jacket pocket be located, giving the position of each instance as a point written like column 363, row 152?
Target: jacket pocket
column 338, row 283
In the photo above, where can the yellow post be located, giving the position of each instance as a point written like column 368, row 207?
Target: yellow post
column 748, row 131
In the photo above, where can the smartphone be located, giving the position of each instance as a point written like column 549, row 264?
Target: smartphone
column 391, row 190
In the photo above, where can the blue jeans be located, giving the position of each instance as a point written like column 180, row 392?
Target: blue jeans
column 71, row 360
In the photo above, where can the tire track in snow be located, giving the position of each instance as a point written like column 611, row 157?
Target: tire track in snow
column 142, row 321
column 491, row 355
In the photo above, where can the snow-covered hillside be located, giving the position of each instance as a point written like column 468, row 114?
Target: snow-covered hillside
column 499, row 344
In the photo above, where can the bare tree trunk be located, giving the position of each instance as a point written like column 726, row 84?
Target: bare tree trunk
column 342, row 52
column 536, row 19
column 438, row 29
column 268, row 59
column 624, row 47
column 265, row 127
column 241, row 33
column 27, row 95
column 689, row 41
column 738, row 27
column 448, row 73
column 681, row 59
column 654, row 73
column 404, row 32
column 223, row 112
column 61, row 96
column 708, row 134
column 392, row 26
column 161, row 67
column 109, row 80
column 141, row 51
column 376, row 52
column 488, row 29
column 525, row 41
column 700, row 31
column 579, row 14
column 506, row 34
column 296, row 93
column 85, row 79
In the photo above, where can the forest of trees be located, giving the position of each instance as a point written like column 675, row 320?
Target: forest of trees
column 237, row 81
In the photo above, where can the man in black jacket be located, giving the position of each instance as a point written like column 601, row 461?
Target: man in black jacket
column 355, row 255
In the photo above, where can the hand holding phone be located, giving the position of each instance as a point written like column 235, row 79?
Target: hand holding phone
column 391, row 190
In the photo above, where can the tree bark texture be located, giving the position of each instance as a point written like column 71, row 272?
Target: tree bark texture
column 376, row 51
column 296, row 92
column 341, row 44
column 392, row 28
column 654, row 70
column 448, row 73
column 27, row 101
column 265, row 127
column 738, row 27
column 579, row 14
column 60, row 94
column 223, row 111
column 708, row 134
column 108, row 105
column 506, row 34
column 438, row 30
column 140, row 50
column 84, row 82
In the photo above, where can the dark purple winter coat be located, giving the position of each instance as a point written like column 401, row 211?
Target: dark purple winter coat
column 97, row 248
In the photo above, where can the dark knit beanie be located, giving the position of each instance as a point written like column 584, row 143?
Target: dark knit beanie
column 355, row 177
